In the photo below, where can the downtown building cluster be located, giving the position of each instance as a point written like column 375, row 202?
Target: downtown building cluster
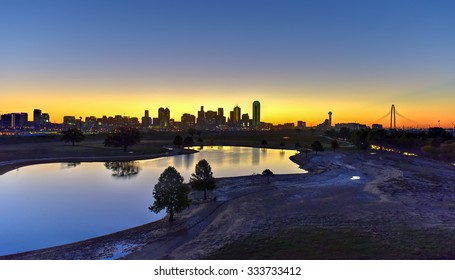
column 206, row 120
column 18, row 123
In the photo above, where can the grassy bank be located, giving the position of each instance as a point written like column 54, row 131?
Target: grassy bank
column 38, row 147
column 350, row 243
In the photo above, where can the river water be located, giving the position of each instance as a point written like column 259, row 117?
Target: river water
column 52, row 204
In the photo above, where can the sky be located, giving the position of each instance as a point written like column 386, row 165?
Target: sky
column 300, row 59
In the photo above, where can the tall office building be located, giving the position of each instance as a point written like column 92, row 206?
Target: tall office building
column 69, row 120
column 45, row 119
column 245, row 120
column 188, row 121
column 237, row 115
column 160, row 117
column 36, row 117
column 231, row 118
column 10, row 120
column 221, row 117
column 220, row 112
column 23, row 120
column 201, row 118
column 164, row 117
column 211, row 119
column 256, row 113
column 146, row 120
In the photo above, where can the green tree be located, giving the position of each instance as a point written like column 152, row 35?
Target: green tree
column 331, row 133
column 344, row 133
column 317, row 146
column 298, row 130
column 359, row 138
column 202, row 178
column 170, row 193
column 334, row 144
column 435, row 132
column 447, row 150
column 72, row 135
column 178, row 140
column 430, row 151
column 188, row 141
column 267, row 174
column 191, row 131
column 123, row 136
column 306, row 149
column 377, row 137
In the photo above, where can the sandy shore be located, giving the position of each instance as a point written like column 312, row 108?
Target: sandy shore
column 379, row 194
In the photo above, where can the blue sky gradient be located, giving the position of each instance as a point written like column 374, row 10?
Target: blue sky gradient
column 373, row 53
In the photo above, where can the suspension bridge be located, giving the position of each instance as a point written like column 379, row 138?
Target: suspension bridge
column 393, row 120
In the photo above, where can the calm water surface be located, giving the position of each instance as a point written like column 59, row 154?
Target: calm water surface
column 51, row 204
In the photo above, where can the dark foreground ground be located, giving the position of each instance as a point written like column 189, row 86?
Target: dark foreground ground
column 399, row 208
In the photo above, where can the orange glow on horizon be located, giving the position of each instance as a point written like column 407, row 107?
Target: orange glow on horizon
column 275, row 108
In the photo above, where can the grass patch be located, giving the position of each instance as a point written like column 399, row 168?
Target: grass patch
column 336, row 244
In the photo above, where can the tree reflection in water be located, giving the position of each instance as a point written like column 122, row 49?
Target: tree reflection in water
column 123, row 169
column 69, row 164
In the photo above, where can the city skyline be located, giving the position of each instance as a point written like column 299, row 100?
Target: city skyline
column 325, row 118
column 301, row 59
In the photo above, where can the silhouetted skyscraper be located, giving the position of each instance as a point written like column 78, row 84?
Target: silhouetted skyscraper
column 245, row 120
column 211, row 119
column 23, row 119
column 201, row 118
column 231, row 118
column 69, row 120
column 146, row 120
column 188, row 121
column 301, row 124
column 221, row 117
column 10, row 120
column 164, row 117
column 237, row 115
column 45, row 119
column 256, row 113
column 36, row 117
